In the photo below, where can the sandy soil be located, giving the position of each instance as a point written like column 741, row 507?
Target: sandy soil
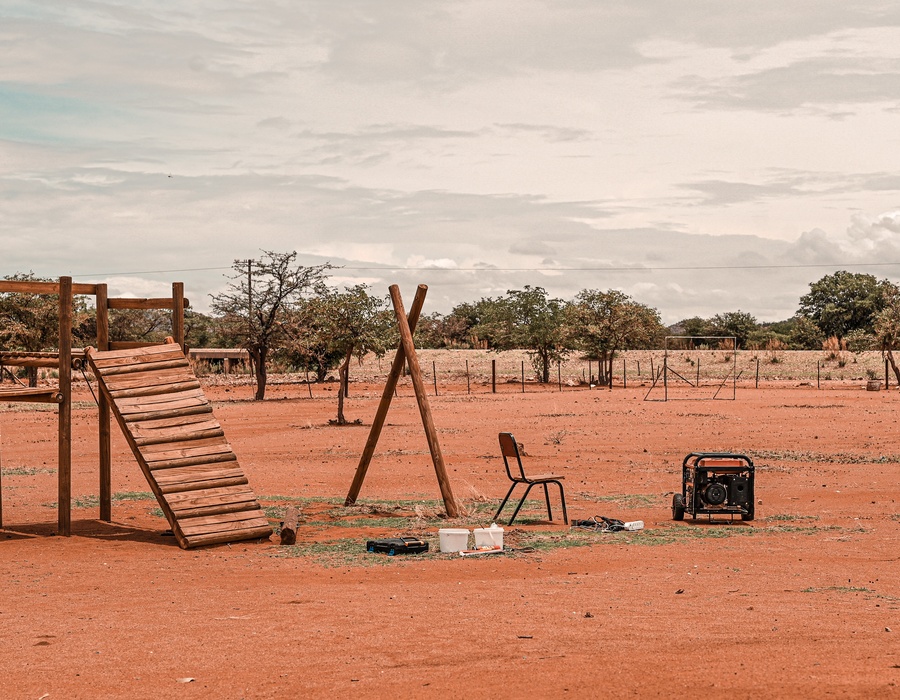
column 802, row 602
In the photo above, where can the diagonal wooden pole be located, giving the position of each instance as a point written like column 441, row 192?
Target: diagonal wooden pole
column 386, row 396
column 415, row 373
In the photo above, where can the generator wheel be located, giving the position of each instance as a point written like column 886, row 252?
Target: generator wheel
column 678, row 507
column 746, row 516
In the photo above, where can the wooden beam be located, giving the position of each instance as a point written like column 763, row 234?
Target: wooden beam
column 178, row 303
column 64, row 503
column 415, row 373
column 155, row 303
column 35, row 287
column 386, row 396
column 103, row 415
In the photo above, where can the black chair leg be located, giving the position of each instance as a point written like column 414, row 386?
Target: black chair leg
column 505, row 499
column 562, row 498
column 547, row 499
column 516, row 511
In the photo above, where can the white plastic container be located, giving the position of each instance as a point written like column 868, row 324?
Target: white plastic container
column 453, row 539
column 489, row 536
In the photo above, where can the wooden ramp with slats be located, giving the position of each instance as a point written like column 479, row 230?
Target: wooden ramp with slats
column 179, row 445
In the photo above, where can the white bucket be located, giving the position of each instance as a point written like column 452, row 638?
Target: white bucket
column 489, row 537
column 453, row 539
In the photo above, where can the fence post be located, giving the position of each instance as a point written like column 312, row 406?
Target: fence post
column 886, row 375
column 434, row 375
column 624, row 378
column 757, row 373
column 493, row 376
column 523, row 376
column 468, row 382
column 559, row 374
column 818, row 375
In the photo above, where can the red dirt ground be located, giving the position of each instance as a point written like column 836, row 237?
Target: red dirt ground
column 802, row 602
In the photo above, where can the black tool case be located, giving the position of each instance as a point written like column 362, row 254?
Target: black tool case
column 397, row 545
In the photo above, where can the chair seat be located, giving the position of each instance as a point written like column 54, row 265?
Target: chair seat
column 542, row 477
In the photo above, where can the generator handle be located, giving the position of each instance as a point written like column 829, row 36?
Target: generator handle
column 697, row 456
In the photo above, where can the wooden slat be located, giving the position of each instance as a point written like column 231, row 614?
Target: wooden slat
column 151, row 353
column 203, row 497
column 160, row 390
column 255, row 533
column 217, row 525
column 189, row 424
column 220, row 520
column 221, row 509
column 186, row 450
column 169, row 413
column 166, row 436
column 179, row 486
column 197, row 461
column 147, row 378
column 184, row 475
column 144, row 367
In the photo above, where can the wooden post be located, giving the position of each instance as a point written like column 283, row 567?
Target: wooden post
column 412, row 361
column 559, row 374
column 178, row 315
column 624, row 378
column 493, row 376
column 434, row 376
column 308, row 385
column 103, row 414
column 698, row 371
column 64, row 502
column 757, row 373
column 590, row 376
column 288, row 532
column 818, row 375
column 468, row 382
column 390, row 390
column 523, row 377
column 886, row 375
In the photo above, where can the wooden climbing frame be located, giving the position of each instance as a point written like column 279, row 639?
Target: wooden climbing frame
column 64, row 360
column 406, row 354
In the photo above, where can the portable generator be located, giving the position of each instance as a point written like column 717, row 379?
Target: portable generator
column 715, row 483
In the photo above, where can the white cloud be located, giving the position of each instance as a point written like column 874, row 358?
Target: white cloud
column 641, row 146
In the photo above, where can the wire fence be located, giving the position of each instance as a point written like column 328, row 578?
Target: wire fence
column 689, row 373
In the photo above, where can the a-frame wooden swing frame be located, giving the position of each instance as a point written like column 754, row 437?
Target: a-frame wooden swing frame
column 406, row 353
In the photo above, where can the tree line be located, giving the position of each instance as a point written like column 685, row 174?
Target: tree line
column 281, row 311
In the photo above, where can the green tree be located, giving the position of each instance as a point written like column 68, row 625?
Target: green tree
column 338, row 326
column 254, row 306
column 843, row 302
column 739, row 324
column 602, row 323
column 805, row 334
column 695, row 326
column 526, row 319
column 887, row 326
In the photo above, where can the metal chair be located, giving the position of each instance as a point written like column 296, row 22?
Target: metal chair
column 509, row 449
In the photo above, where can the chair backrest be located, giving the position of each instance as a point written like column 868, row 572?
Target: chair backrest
column 509, row 448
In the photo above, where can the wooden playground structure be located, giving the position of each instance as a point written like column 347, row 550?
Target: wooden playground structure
column 163, row 414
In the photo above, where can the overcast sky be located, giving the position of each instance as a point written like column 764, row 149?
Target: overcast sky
column 700, row 155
